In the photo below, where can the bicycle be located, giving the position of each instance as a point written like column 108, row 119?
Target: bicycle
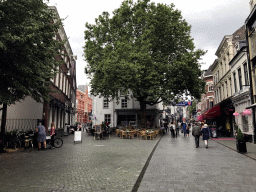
column 28, row 141
column 57, row 142
column 15, row 142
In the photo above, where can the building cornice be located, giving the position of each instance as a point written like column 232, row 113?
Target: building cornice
column 238, row 56
column 224, row 40
column 251, row 15
column 242, row 96
column 214, row 65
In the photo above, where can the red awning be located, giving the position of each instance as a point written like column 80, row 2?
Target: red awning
column 200, row 118
column 212, row 113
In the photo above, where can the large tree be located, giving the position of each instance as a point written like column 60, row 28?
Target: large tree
column 145, row 48
column 27, row 51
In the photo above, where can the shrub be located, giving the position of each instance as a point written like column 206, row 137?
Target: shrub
column 239, row 135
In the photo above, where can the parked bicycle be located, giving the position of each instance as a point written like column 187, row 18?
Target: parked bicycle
column 14, row 142
column 57, row 142
column 28, row 141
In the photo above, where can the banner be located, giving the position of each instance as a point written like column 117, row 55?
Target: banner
column 184, row 103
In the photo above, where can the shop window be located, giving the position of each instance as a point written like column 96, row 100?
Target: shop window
column 245, row 123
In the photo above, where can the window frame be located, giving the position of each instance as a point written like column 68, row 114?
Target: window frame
column 124, row 103
column 105, row 103
column 239, row 73
column 234, row 80
column 246, row 78
column 107, row 117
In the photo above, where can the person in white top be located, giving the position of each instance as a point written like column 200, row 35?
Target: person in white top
column 173, row 129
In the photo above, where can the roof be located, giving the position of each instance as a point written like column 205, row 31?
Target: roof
column 208, row 72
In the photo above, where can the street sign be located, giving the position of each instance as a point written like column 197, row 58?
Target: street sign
column 184, row 103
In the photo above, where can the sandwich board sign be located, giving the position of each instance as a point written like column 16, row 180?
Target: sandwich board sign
column 77, row 136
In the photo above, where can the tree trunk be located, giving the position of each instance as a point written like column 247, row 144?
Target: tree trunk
column 143, row 119
column 4, row 116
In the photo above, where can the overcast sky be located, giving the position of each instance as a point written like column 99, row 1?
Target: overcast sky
column 210, row 21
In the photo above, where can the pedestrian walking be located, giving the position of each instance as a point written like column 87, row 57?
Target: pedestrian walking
column 178, row 129
column 79, row 127
column 205, row 132
column 41, row 135
column 166, row 126
column 52, row 134
column 196, row 133
column 172, row 128
column 187, row 129
column 184, row 126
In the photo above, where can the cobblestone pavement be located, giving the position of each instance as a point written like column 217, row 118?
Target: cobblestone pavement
column 115, row 164
column 178, row 166
column 94, row 165
column 251, row 147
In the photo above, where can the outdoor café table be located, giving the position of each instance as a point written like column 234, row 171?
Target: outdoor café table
column 98, row 134
column 130, row 133
column 149, row 133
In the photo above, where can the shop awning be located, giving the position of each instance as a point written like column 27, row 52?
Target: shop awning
column 200, row 118
column 212, row 113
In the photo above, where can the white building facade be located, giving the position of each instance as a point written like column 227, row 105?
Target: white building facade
column 124, row 113
column 61, row 109
column 241, row 88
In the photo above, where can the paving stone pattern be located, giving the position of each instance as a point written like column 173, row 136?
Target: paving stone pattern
column 94, row 165
column 115, row 164
column 177, row 165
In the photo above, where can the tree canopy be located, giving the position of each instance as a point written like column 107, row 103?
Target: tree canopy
column 145, row 48
column 27, row 50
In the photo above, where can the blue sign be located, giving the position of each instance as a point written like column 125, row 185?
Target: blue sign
column 185, row 103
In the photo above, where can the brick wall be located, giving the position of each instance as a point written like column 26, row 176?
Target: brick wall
column 84, row 106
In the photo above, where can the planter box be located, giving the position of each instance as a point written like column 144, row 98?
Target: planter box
column 241, row 146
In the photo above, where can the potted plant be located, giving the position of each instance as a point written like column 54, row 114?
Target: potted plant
column 240, row 142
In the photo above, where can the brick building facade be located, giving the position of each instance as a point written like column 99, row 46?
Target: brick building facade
column 207, row 99
column 84, row 104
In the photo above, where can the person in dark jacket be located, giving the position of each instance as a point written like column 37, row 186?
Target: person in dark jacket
column 196, row 133
column 205, row 132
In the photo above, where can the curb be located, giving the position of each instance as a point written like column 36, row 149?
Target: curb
column 236, row 150
column 137, row 183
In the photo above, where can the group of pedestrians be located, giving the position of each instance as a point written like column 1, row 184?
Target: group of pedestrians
column 198, row 129
column 174, row 129
column 186, row 128
column 41, row 130
column 201, row 129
